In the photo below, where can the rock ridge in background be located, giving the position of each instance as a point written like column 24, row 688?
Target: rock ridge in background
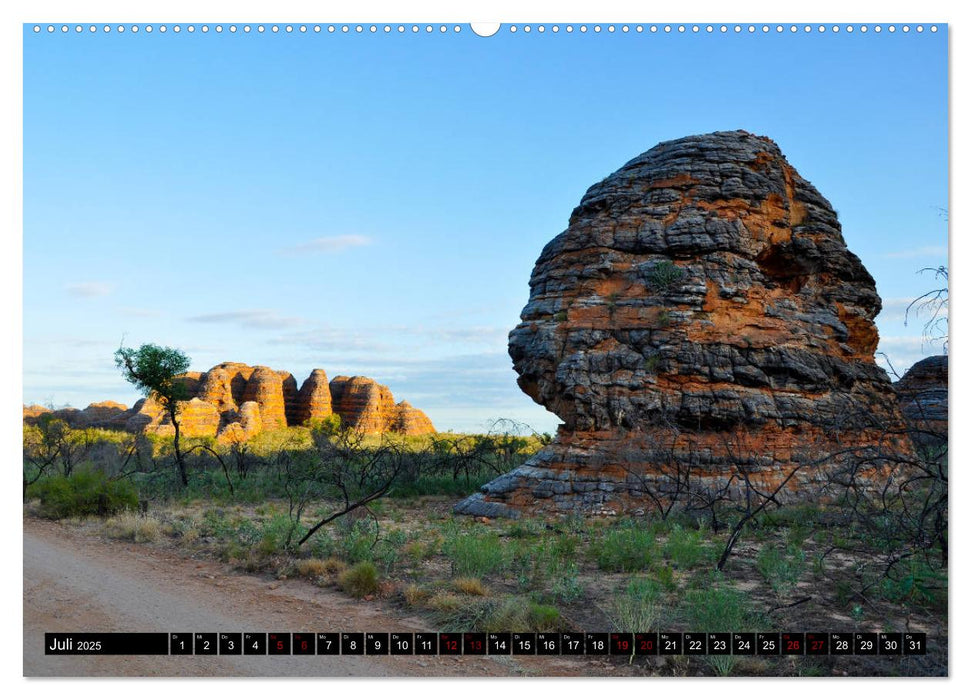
column 233, row 402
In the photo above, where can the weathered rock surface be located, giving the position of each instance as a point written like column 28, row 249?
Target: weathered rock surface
column 224, row 385
column 408, row 420
column 234, row 402
column 104, row 414
column 700, row 317
column 265, row 387
column 313, row 401
column 922, row 394
column 33, row 412
column 365, row 405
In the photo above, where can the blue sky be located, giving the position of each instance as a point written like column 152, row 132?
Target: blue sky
column 373, row 204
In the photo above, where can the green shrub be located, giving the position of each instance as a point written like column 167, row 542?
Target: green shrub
column 687, row 548
column 718, row 608
column 360, row 580
column 85, row 492
column 474, row 555
column 638, row 609
column 627, row 548
column 781, row 570
column 543, row 618
column 664, row 275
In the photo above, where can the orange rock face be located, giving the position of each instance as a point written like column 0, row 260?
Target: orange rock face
column 369, row 407
column 700, row 325
column 408, row 420
column 224, row 385
column 313, row 401
column 234, row 402
column 265, row 387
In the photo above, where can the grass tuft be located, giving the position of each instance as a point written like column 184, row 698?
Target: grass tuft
column 360, row 580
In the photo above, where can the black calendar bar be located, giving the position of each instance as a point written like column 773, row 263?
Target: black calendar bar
column 491, row 644
column 106, row 643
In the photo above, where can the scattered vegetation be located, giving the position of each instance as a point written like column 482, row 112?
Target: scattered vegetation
column 664, row 275
column 785, row 567
column 85, row 492
column 360, row 580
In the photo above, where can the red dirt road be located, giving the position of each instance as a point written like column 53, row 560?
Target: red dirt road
column 76, row 583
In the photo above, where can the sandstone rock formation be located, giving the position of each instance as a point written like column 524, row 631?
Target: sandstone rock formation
column 104, row 414
column 234, row 402
column 197, row 418
column 700, row 319
column 265, row 387
column 224, row 385
column 314, row 400
column 363, row 404
column 408, row 420
column 33, row 412
column 922, row 394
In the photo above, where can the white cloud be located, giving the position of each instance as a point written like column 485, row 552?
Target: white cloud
column 922, row 252
column 254, row 318
column 327, row 244
column 89, row 290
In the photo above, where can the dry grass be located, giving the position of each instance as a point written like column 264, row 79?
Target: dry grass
column 444, row 602
column 470, row 586
column 415, row 595
column 360, row 581
column 311, row 568
column 129, row 526
column 334, row 566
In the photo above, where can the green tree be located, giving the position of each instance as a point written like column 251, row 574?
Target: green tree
column 155, row 371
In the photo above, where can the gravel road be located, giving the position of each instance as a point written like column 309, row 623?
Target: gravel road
column 74, row 582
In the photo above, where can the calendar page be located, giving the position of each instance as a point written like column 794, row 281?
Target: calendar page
column 513, row 349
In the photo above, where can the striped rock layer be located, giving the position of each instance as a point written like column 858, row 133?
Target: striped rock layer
column 233, row 402
column 699, row 326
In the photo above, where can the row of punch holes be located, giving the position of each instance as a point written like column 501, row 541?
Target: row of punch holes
column 484, row 31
